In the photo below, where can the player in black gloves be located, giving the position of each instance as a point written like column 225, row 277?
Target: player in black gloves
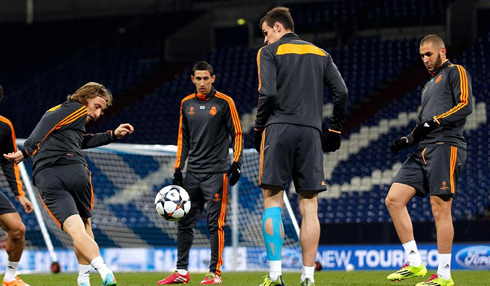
column 331, row 143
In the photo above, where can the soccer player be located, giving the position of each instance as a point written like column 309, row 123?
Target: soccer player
column 208, row 120
column 60, row 171
column 433, row 169
column 10, row 220
column 292, row 78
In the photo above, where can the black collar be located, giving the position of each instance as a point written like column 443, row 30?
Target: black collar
column 443, row 66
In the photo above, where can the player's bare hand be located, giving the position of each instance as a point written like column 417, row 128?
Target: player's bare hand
column 14, row 157
column 123, row 130
column 26, row 204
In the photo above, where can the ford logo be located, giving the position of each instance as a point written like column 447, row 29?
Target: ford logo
column 475, row 257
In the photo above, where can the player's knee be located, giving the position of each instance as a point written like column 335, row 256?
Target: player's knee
column 389, row 202
column 440, row 211
column 437, row 213
column 18, row 232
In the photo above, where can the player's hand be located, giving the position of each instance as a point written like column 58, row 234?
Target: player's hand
column 331, row 143
column 123, row 130
column 26, row 204
column 258, row 139
column 423, row 129
column 234, row 173
column 178, row 179
column 14, row 157
column 398, row 144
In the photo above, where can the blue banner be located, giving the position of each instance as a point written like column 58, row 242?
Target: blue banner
column 390, row 257
column 351, row 257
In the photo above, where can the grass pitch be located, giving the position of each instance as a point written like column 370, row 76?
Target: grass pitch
column 323, row 278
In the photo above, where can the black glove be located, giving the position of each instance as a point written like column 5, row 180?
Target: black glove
column 234, row 173
column 423, row 129
column 331, row 143
column 257, row 139
column 398, row 144
column 178, row 179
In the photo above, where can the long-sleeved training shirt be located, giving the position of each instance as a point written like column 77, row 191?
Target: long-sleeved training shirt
column 60, row 136
column 206, row 125
column 292, row 78
column 447, row 97
column 8, row 145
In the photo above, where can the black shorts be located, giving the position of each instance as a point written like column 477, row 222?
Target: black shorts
column 66, row 190
column 292, row 150
column 5, row 205
column 433, row 170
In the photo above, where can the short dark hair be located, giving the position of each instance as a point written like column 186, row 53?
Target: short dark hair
column 202, row 66
column 434, row 39
column 1, row 92
column 278, row 14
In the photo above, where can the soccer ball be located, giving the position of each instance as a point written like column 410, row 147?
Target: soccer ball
column 172, row 203
column 350, row 267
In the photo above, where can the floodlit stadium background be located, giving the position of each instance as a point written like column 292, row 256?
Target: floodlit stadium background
column 143, row 51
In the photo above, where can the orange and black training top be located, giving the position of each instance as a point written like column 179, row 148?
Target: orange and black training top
column 60, row 136
column 447, row 97
column 207, row 123
column 292, row 77
column 7, row 145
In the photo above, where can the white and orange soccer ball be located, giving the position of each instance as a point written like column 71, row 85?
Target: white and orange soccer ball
column 172, row 203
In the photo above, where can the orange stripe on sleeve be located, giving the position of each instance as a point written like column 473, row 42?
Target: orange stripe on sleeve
column 17, row 179
column 236, row 123
column 179, row 137
column 463, row 99
column 70, row 118
column 16, row 167
column 258, row 66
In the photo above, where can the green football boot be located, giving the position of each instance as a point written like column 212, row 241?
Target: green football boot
column 269, row 282
column 307, row 282
column 408, row 271
column 436, row 280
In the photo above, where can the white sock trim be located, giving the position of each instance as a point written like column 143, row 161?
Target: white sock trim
column 412, row 253
column 10, row 271
column 444, row 268
column 275, row 269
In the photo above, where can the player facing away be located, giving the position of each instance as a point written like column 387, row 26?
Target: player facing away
column 61, row 174
column 292, row 78
column 433, row 169
column 208, row 120
column 10, row 220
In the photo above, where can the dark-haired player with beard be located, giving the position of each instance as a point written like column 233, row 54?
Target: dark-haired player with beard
column 433, row 169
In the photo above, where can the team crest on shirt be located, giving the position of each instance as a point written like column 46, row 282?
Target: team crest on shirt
column 213, row 111
column 216, row 197
column 191, row 110
column 444, row 186
column 439, row 78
